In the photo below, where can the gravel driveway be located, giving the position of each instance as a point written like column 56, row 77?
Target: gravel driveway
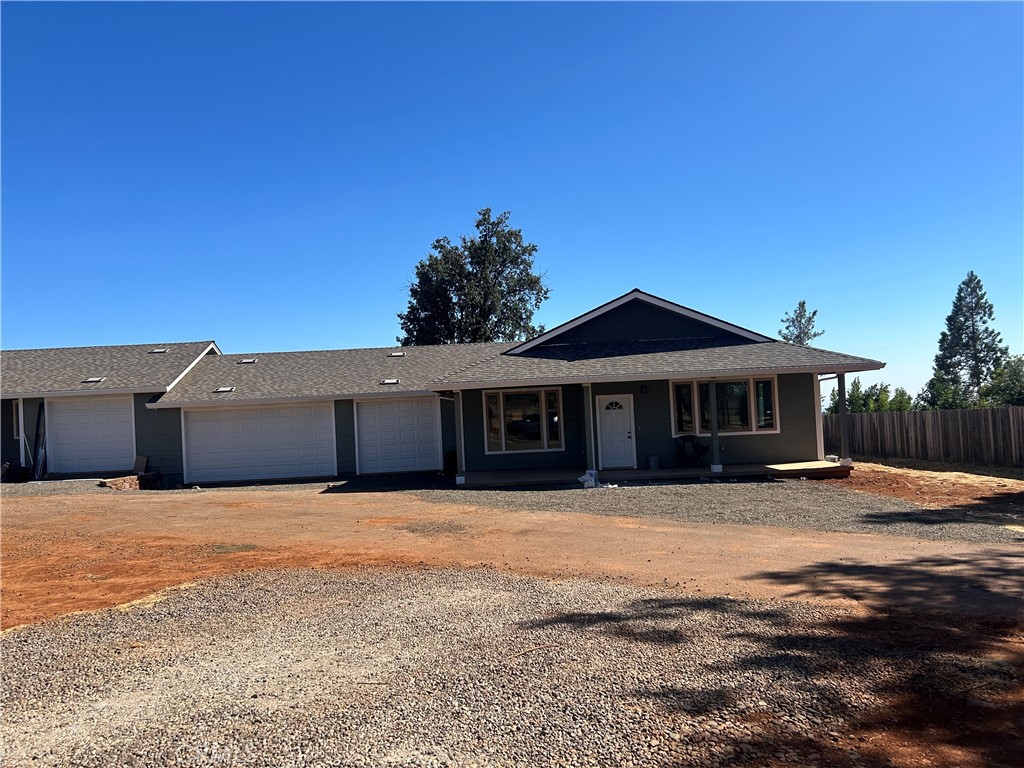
column 784, row 503
column 437, row 668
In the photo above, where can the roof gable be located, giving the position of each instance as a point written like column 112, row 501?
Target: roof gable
column 107, row 369
column 640, row 316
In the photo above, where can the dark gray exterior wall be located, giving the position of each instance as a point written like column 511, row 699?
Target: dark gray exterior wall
column 448, row 434
column 158, row 438
column 345, row 436
column 638, row 320
column 573, row 456
column 796, row 441
column 10, row 447
column 30, row 407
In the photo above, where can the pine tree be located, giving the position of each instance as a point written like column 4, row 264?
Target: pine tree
column 799, row 327
column 970, row 351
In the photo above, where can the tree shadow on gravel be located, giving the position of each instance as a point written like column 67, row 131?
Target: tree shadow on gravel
column 1000, row 509
column 939, row 644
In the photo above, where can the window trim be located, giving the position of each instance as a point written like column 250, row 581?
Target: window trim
column 501, row 420
column 751, row 404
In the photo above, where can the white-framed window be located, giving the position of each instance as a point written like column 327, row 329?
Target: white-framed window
column 523, row 420
column 16, row 421
column 746, row 406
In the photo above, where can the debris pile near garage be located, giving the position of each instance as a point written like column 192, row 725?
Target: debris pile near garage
column 130, row 482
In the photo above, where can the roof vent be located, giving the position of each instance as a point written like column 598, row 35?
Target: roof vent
column 94, row 379
column 220, row 390
column 396, row 354
column 247, row 361
column 390, row 381
column 158, row 351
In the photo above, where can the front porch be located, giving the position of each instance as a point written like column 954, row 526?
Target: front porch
column 533, row 477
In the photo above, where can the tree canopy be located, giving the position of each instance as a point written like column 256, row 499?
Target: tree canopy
column 876, row 398
column 798, row 327
column 479, row 290
column 970, row 351
column 1007, row 384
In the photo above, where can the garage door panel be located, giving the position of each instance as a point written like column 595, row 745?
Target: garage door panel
column 260, row 443
column 90, row 434
column 401, row 435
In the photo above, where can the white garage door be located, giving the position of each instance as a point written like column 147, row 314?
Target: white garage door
column 90, row 434
column 260, row 443
column 399, row 435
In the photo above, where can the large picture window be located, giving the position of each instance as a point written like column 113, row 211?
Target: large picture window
column 743, row 406
column 523, row 420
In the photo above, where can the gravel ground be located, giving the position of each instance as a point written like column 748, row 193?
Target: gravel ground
column 437, row 668
column 783, row 503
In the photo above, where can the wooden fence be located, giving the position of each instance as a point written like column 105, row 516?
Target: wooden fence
column 988, row 436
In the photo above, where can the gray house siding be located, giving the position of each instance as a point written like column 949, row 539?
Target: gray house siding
column 574, row 455
column 10, row 448
column 638, row 321
column 30, row 407
column 158, row 438
column 345, row 436
column 796, row 441
column 448, row 434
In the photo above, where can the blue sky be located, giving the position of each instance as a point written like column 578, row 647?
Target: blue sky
column 268, row 175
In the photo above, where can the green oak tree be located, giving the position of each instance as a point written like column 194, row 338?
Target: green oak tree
column 481, row 289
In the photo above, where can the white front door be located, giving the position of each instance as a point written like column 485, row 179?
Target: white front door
column 615, row 431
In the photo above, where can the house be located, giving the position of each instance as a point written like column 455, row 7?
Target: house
column 82, row 410
column 610, row 389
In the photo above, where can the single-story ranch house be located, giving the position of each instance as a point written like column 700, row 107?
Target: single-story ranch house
column 636, row 379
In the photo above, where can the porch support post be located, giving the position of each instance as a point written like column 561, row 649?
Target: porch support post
column 588, row 421
column 716, row 448
column 844, row 429
column 460, row 441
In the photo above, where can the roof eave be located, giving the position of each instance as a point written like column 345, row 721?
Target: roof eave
column 85, row 392
column 654, row 376
column 251, row 401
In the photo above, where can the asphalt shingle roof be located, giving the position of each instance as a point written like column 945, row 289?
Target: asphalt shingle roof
column 330, row 374
column 657, row 359
column 127, row 367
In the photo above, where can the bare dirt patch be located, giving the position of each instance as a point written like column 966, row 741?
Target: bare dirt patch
column 936, row 485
